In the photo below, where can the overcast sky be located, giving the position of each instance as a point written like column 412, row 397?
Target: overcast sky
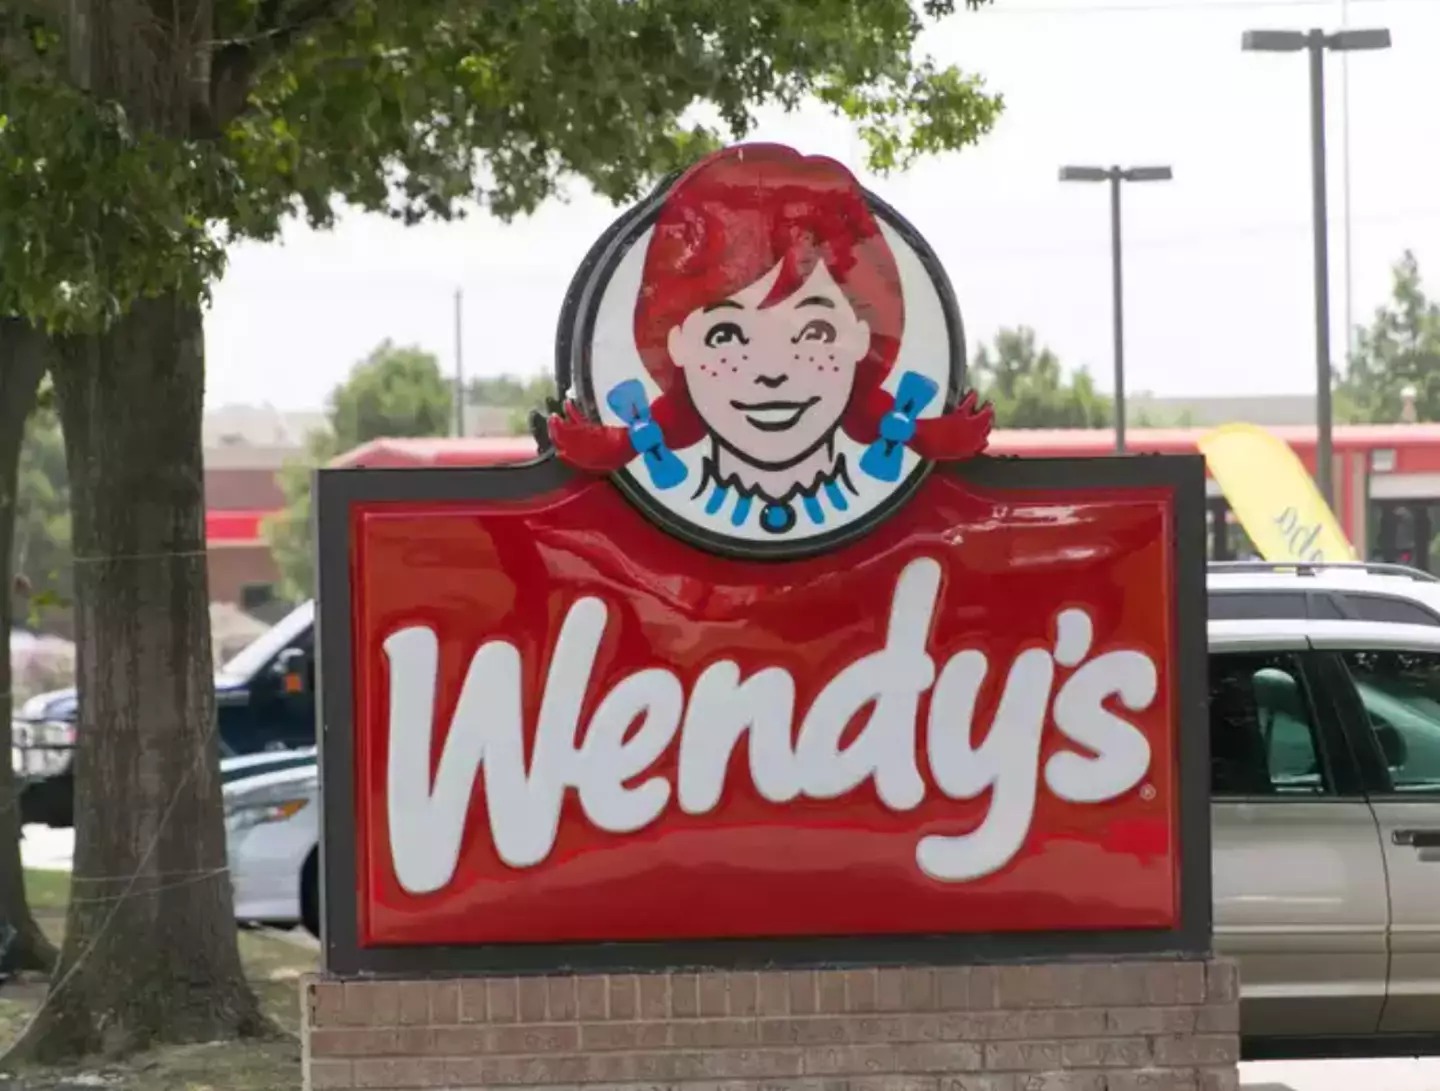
column 1219, row 292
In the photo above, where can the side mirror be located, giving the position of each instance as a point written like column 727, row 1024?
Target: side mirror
column 290, row 668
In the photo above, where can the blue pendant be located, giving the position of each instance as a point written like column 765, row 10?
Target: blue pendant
column 777, row 518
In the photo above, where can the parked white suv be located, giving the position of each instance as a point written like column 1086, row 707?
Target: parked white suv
column 1325, row 781
column 1358, row 592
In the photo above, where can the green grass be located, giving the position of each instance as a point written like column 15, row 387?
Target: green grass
column 49, row 891
column 273, row 964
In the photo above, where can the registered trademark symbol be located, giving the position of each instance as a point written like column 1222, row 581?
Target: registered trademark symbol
column 1147, row 793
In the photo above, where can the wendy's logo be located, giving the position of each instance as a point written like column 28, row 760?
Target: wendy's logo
column 766, row 357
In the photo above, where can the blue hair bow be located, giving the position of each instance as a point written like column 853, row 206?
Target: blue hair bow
column 630, row 404
column 883, row 458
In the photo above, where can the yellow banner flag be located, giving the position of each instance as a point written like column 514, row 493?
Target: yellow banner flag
column 1273, row 496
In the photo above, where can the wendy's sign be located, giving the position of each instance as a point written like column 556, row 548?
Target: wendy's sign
column 762, row 661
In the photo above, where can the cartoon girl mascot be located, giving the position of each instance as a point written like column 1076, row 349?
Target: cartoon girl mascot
column 770, row 315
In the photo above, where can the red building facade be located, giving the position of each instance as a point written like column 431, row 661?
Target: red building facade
column 241, row 488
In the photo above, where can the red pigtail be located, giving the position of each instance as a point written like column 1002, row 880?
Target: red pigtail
column 605, row 448
column 868, row 404
column 961, row 433
column 596, row 448
column 964, row 432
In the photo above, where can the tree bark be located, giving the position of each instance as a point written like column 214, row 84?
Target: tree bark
column 150, row 952
column 22, row 364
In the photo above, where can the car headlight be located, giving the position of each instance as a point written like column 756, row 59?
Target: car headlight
column 53, row 733
column 246, row 814
column 41, row 748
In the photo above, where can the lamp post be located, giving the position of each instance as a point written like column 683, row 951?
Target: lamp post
column 1317, row 43
column 1346, row 185
column 1115, row 176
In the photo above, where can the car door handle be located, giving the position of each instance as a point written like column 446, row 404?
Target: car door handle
column 1419, row 839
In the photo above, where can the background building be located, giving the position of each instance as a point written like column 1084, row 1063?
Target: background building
column 1387, row 476
column 246, row 446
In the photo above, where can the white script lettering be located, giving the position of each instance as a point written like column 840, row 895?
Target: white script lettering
column 638, row 718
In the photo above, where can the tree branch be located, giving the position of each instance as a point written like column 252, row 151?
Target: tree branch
column 238, row 59
column 20, row 20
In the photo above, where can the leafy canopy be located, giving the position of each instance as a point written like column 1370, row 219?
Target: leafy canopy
column 42, row 513
column 1398, row 353
column 1025, row 383
column 416, row 108
column 392, row 392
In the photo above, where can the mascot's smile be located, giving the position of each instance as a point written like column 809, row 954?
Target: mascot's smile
column 774, row 416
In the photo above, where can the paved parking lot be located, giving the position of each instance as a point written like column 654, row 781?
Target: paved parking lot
column 1398, row 1075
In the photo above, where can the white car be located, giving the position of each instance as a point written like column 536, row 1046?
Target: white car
column 272, row 829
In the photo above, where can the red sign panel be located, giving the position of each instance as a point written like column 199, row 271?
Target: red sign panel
column 762, row 649
column 963, row 723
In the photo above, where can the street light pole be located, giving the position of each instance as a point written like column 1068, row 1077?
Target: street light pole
column 1346, row 220
column 1115, row 176
column 1117, row 294
column 1324, row 410
column 1317, row 43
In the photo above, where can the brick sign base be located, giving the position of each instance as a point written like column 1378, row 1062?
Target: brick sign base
column 1110, row 1026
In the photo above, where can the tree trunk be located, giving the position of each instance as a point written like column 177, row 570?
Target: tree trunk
column 150, row 952
column 22, row 364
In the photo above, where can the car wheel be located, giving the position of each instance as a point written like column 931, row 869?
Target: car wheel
column 48, row 802
column 64, row 817
column 30, row 811
column 310, row 894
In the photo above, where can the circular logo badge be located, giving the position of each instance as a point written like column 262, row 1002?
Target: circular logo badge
column 765, row 356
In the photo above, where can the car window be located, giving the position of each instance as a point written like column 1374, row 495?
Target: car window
column 1401, row 695
column 1258, row 605
column 297, row 624
column 1262, row 727
column 1396, row 611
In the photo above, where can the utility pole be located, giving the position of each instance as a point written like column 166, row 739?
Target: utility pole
column 459, row 365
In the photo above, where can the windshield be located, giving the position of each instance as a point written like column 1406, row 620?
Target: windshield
column 270, row 643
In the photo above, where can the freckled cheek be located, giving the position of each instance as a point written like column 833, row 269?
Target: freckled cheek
column 828, row 360
column 835, row 365
column 715, row 365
